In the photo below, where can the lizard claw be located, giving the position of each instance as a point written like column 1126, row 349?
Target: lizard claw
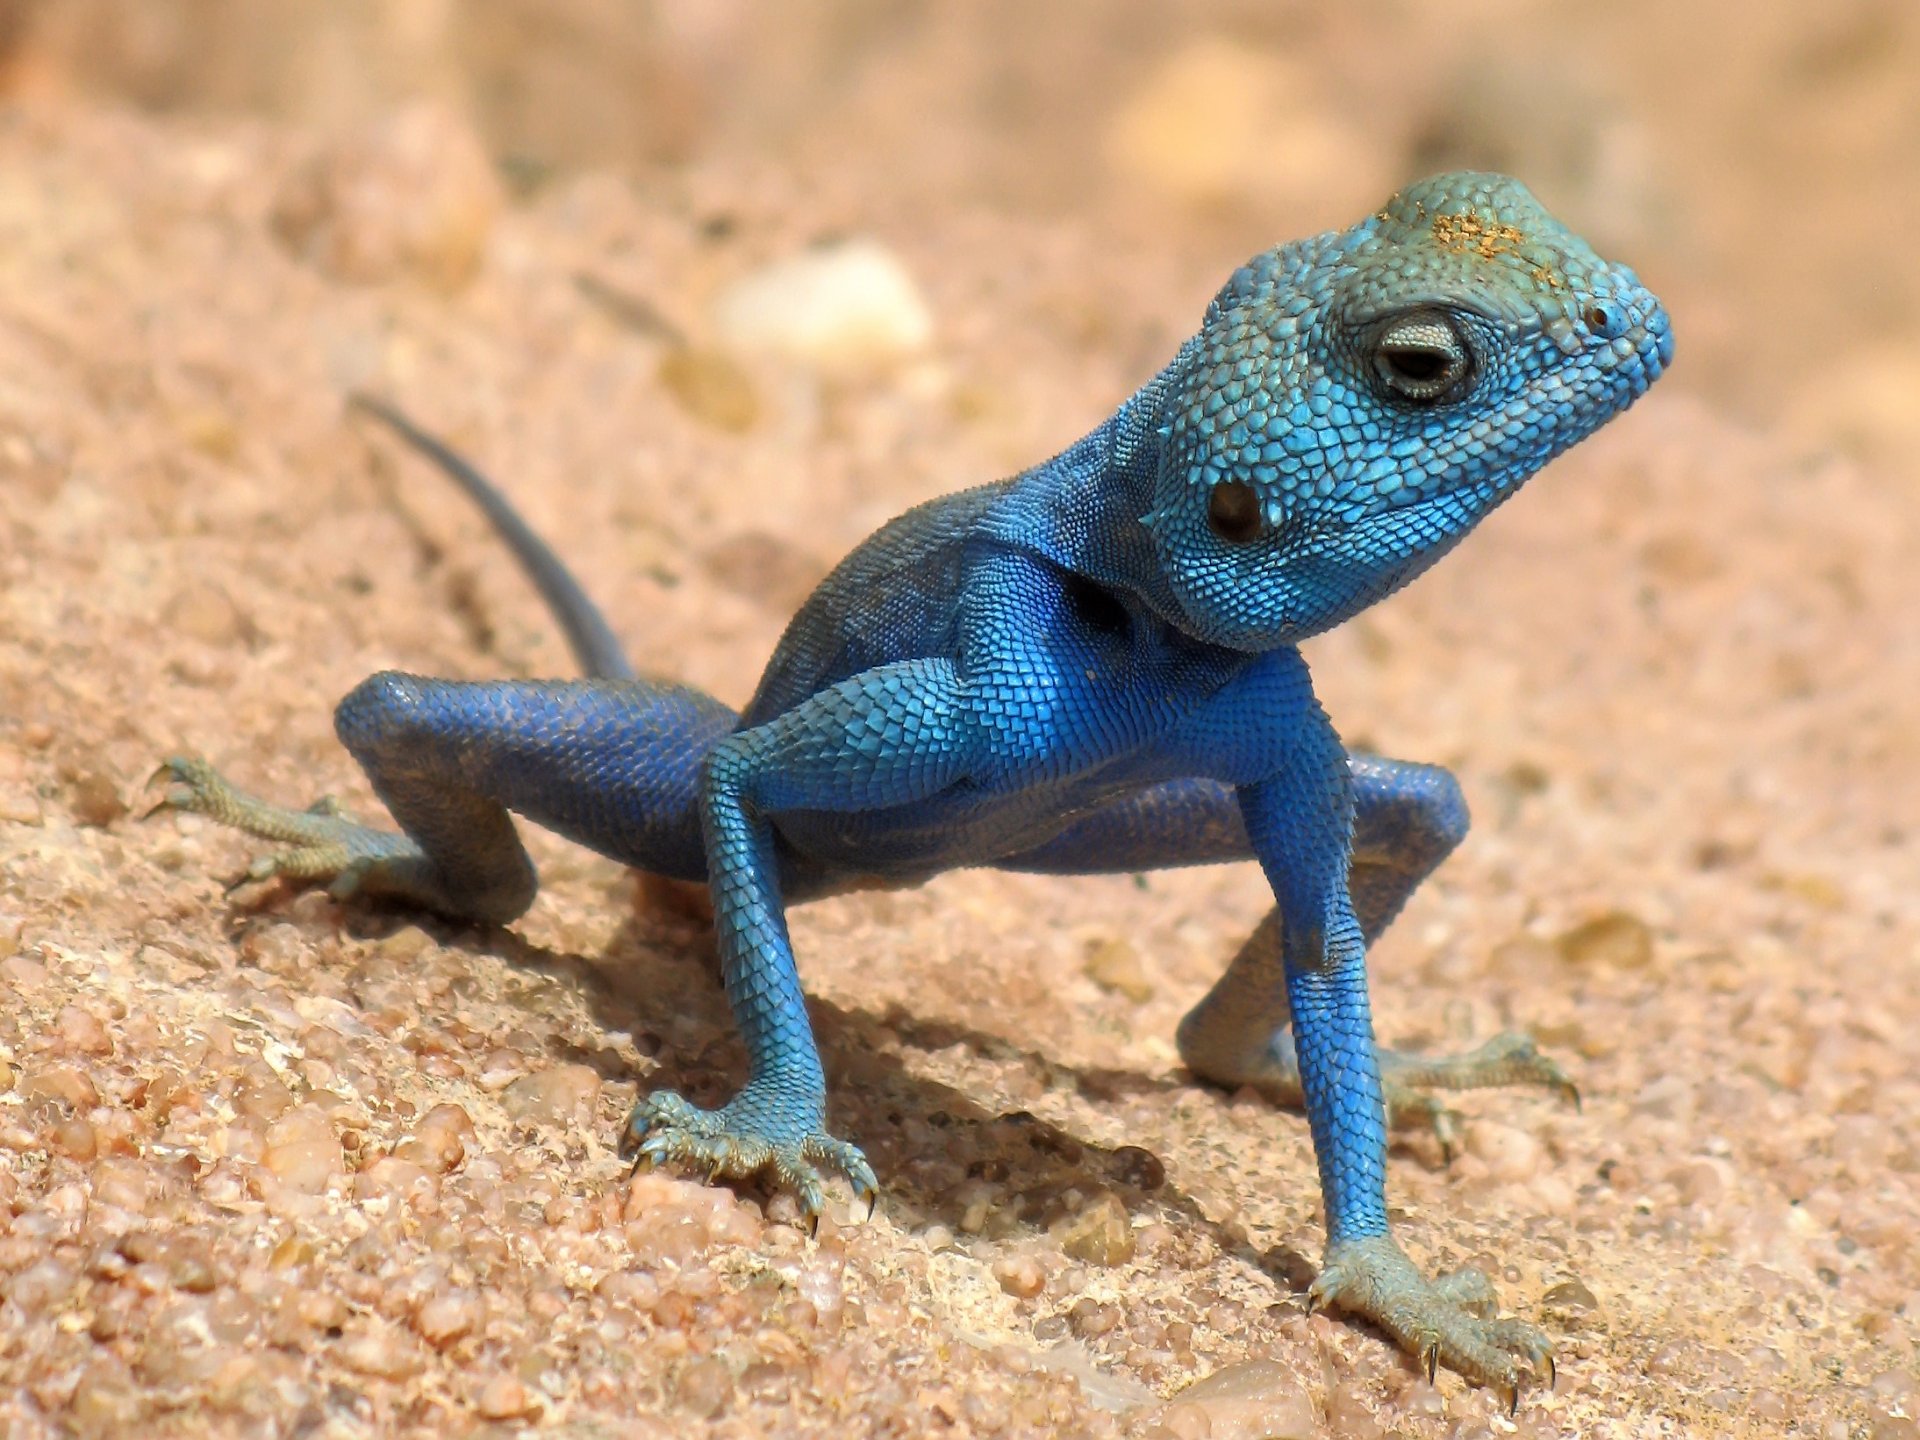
column 756, row 1132
column 1446, row 1322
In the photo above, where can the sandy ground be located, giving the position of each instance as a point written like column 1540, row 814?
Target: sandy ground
column 272, row 1166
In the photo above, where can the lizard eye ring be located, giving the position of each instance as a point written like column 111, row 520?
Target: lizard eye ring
column 1421, row 359
column 1234, row 512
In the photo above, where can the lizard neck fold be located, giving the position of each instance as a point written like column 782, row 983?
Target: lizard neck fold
column 1082, row 510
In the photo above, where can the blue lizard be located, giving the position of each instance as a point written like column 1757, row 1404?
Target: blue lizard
column 1088, row 667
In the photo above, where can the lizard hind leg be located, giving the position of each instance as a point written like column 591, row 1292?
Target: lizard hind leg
column 1407, row 819
column 611, row 764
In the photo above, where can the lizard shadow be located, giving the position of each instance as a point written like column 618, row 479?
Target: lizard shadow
column 944, row 1159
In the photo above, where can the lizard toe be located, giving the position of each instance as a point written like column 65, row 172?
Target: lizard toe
column 1446, row 1323
column 743, row 1139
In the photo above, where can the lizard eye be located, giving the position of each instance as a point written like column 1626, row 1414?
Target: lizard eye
column 1234, row 512
column 1422, row 359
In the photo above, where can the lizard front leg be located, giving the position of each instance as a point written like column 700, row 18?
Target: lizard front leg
column 1300, row 823
column 887, row 737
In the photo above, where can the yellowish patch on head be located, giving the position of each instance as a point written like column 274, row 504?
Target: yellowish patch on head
column 1467, row 233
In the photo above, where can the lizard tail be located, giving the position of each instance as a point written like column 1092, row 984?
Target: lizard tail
column 588, row 635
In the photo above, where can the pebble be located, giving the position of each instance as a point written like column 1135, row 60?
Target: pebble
column 371, row 1346
column 1616, row 938
column 1252, row 1400
column 704, row 1388
column 439, row 1143
column 1089, row 1319
column 94, row 797
column 447, row 1315
column 413, row 194
column 1021, row 1276
column 393, row 1177
column 1570, row 1303
column 502, row 1397
column 1141, row 1169
column 302, row 1152
column 851, row 304
column 63, row 1085
column 711, row 386
column 1113, row 964
column 125, row 1184
column 562, row 1095
column 80, row 1032
column 1101, row 1234
column 200, row 608
column 43, row 1284
column 75, row 1139
column 1509, row 1152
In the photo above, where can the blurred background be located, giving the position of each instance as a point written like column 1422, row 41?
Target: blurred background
column 1757, row 161
column 714, row 297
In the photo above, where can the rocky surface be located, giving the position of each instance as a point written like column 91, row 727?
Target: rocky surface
column 273, row 1167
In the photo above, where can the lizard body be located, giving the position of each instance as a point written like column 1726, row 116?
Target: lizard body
column 1090, row 666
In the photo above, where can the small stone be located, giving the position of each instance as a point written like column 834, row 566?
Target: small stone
column 441, row 1139
column 1101, row 1234
column 125, row 1184
column 79, row 1032
column 500, row 1068
column 1510, row 1153
column 504, row 1398
column 373, row 1347
column 1133, row 1166
column 1089, row 1319
column 392, row 1176
column 1570, row 1303
column 202, row 609
column 1699, row 1182
column 1351, row 1418
column 711, row 387
column 413, row 194
column 1113, row 964
column 43, row 1284
column 1020, row 1276
column 75, row 1139
column 1616, row 938
column 302, row 1151
column 403, row 946
column 1253, row 1400
column 849, row 304
column 64, row 1085
column 105, row 1402
column 447, row 1315
column 94, row 797
column 261, row 1095
column 704, row 1388
column 563, row 1095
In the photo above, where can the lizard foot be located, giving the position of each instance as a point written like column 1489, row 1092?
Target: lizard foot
column 1270, row 1063
column 324, row 846
column 755, row 1132
column 1509, row 1058
column 1450, row 1321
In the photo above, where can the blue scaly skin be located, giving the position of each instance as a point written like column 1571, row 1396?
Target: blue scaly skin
column 1088, row 667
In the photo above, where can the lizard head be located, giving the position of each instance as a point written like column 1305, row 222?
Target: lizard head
column 1356, row 402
